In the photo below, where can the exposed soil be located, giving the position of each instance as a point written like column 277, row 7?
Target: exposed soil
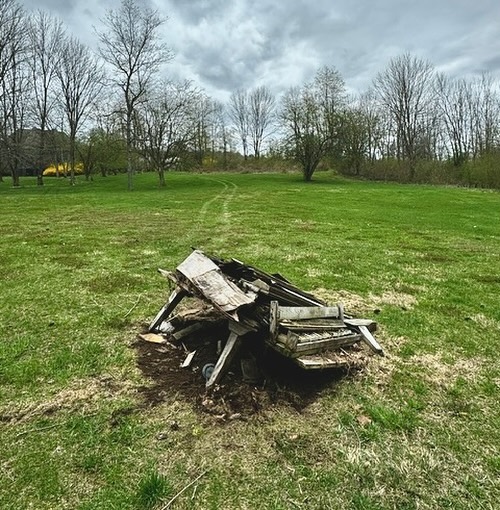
column 275, row 380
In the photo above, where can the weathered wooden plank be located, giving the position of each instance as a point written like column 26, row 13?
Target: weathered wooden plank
column 288, row 341
column 152, row 338
column 273, row 319
column 326, row 344
column 196, row 264
column 313, row 325
column 371, row 325
column 206, row 277
column 310, row 312
column 327, row 360
column 178, row 335
column 225, row 359
column 369, row 339
column 174, row 299
column 189, row 359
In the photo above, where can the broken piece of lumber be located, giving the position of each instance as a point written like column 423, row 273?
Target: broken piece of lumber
column 310, row 312
column 225, row 359
column 152, row 338
column 369, row 339
column 189, row 359
column 174, row 299
column 207, row 278
column 365, row 328
column 371, row 325
column 179, row 335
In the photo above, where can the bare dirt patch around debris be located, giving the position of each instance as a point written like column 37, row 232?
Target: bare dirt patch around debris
column 277, row 382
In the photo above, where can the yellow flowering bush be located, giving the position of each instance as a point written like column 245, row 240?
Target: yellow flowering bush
column 62, row 169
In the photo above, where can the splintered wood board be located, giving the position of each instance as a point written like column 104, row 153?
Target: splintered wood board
column 189, row 359
column 208, row 279
column 331, row 360
column 309, row 312
column 152, row 338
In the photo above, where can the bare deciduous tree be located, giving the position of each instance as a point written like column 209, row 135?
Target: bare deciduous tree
column 130, row 44
column 261, row 116
column 81, row 80
column 329, row 89
column 166, row 125
column 45, row 37
column 311, row 118
column 221, row 134
column 202, row 112
column 405, row 88
column 239, row 114
column 13, row 86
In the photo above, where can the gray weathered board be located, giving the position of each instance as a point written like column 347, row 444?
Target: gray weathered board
column 208, row 279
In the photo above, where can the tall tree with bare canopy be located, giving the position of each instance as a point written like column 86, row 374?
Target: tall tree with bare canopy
column 405, row 89
column 81, row 80
column 131, row 45
column 46, row 35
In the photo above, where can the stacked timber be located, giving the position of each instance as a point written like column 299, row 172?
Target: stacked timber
column 294, row 323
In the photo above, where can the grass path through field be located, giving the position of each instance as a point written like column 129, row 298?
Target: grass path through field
column 220, row 202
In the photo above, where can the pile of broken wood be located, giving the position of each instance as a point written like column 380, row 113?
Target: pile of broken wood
column 249, row 301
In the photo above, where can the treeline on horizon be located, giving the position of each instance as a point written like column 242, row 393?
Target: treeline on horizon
column 66, row 107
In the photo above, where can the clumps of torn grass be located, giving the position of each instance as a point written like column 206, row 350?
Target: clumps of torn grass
column 83, row 395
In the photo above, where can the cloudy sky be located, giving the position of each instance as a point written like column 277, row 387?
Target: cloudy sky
column 223, row 45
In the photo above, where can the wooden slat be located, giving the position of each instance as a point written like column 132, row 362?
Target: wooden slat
column 273, row 319
column 369, row 339
column 189, row 359
column 208, row 280
column 312, row 325
column 174, row 299
column 309, row 312
column 371, row 325
column 178, row 335
column 326, row 360
column 224, row 360
column 153, row 338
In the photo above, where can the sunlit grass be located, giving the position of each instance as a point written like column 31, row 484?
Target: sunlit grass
column 417, row 429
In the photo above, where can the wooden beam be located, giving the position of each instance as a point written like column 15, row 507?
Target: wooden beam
column 369, row 339
column 174, row 299
column 227, row 355
column 273, row 319
column 189, row 358
column 212, row 284
column 178, row 335
column 371, row 325
column 310, row 312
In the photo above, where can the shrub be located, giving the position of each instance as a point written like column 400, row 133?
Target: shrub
column 62, row 169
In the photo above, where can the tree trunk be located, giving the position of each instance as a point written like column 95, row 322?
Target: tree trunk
column 130, row 168
column 41, row 155
column 161, row 175
column 15, row 178
column 308, row 173
column 72, row 159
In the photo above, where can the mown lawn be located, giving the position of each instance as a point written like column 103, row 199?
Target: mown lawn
column 419, row 428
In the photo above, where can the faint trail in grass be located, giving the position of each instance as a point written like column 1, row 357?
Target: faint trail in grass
column 223, row 201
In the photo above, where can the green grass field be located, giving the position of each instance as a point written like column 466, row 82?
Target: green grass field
column 418, row 429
